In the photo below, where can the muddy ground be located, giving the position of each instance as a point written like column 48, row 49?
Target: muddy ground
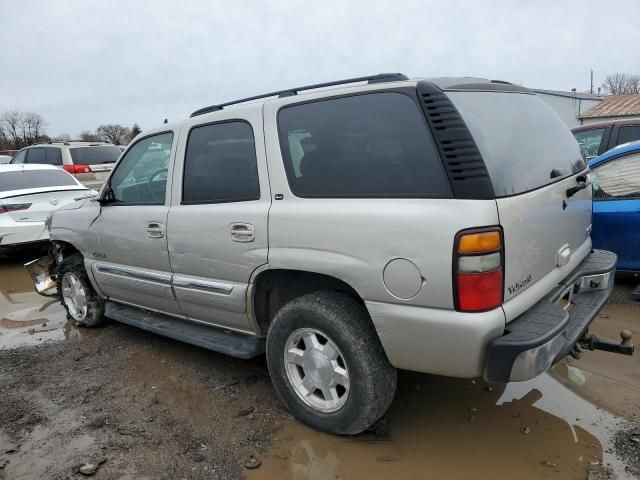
column 139, row 406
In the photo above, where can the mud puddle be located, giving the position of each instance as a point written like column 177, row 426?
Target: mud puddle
column 27, row 318
column 559, row 425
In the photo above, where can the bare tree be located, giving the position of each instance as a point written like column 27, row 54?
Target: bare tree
column 11, row 125
column 63, row 137
column 116, row 134
column 622, row 84
column 33, row 127
column 87, row 136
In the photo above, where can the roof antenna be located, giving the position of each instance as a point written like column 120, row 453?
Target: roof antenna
column 165, row 121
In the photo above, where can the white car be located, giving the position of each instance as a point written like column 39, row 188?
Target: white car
column 28, row 193
column 5, row 159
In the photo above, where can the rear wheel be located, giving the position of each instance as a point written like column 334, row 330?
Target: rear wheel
column 83, row 305
column 327, row 364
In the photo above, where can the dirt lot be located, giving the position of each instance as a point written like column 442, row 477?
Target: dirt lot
column 141, row 406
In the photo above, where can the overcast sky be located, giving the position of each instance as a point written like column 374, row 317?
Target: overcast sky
column 80, row 65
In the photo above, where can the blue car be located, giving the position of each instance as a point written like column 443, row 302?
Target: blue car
column 615, row 176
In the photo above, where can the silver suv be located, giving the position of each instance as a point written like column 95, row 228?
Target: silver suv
column 349, row 229
column 89, row 162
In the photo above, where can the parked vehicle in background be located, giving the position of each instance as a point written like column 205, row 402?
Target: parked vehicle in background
column 28, row 194
column 11, row 153
column 381, row 223
column 596, row 138
column 615, row 177
column 89, row 162
column 5, row 159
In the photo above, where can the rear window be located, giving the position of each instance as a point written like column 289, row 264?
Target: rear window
column 525, row 145
column 35, row 179
column 373, row 145
column 94, row 155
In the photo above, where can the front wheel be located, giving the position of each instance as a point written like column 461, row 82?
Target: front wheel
column 327, row 364
column 83, row 305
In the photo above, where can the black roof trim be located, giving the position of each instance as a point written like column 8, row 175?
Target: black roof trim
column 379, row 78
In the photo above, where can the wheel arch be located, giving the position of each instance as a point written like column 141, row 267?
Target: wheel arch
column 273, row 288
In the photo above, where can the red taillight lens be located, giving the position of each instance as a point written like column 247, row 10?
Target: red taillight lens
column 13, row 207
column 73, row 169
column 478, row 269
column 479, row 291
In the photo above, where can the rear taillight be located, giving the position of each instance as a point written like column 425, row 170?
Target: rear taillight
column 77, row 168
column 478, row 264
column 13, row 207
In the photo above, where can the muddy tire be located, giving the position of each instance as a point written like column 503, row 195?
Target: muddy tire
column 83, row 305
column 327, row 364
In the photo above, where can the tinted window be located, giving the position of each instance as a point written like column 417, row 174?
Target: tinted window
column 20, row 157
column 630, row 133
column 53, row 156
column 35, row 179
column 373, row 145
column 35, row 155
column 589, row 141
column 141, row 177
column 521, row 139
column 618, row 178
column 94, row 155
column 220, row 164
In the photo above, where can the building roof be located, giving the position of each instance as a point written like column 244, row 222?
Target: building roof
column 615, row 106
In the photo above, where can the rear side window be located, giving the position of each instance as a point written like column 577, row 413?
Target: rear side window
column 35, row 155
column 629, row 133
column 94, row 155
column 35, row 179
column 524, row 143
column 589, row 141
column 373, row 145
column 220, row 164
column 53, row 156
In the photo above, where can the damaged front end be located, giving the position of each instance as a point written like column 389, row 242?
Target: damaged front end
column 43, row 273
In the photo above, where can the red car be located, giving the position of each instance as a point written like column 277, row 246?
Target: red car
column 10, row 153
column 597, row 138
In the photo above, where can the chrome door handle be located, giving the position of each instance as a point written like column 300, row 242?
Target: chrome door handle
column 242, row 232
column 155, row 230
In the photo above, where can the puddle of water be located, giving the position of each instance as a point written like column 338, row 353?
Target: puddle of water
column 27, row 318
column 571, row 413
column 525, row 431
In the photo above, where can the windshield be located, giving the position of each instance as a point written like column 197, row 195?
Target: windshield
column 24, row 179
column 525, row 145
column 95, row 155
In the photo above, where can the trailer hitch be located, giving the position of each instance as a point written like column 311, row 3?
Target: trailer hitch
column 625, row 347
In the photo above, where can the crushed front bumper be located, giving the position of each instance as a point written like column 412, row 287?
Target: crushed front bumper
column 548, row 331
column 43, row 274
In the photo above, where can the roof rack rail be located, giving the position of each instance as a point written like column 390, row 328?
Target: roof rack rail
column 379, row 78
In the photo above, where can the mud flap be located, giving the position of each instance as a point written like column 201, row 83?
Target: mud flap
column 42, row 271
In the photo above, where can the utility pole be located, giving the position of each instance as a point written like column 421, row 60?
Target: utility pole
column 591, row 89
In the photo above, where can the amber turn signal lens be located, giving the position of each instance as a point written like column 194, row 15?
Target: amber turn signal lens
column 479, row 242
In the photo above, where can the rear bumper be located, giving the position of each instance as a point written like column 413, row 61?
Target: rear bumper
column 547, row 332
column 16, row 234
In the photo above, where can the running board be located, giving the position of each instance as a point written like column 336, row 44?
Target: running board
column 230, row 343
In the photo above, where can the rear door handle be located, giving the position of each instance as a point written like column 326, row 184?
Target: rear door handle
column 242, row 232
column 155, row 230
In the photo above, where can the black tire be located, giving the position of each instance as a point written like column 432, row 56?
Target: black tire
column 347, row 323
column 94, row 316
